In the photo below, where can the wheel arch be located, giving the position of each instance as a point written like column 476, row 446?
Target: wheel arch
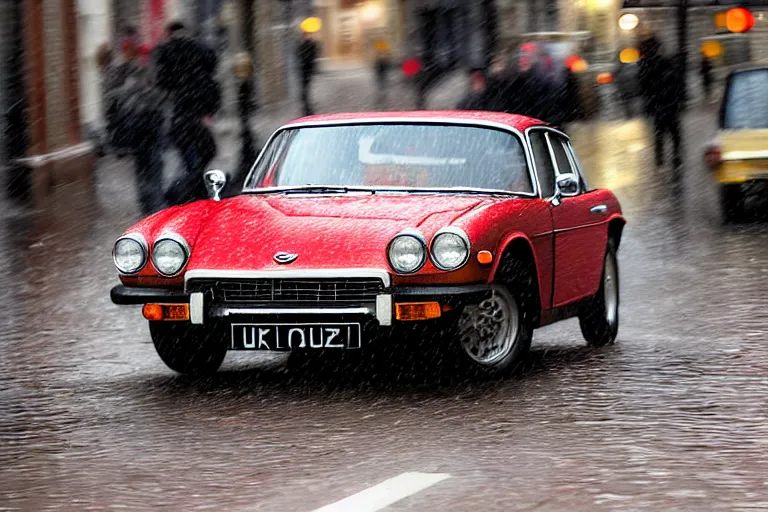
column 518, row 246
column 616, row 230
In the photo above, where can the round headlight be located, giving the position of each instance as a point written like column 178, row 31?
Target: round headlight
column 130, row 254
column 450, row 249
column 169, row 255
column 407, row 253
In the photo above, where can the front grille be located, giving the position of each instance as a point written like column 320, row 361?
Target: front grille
column 292, row 291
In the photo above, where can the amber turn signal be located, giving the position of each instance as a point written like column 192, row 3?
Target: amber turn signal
column 166, row 312
column 409, row 311
column 485, row 257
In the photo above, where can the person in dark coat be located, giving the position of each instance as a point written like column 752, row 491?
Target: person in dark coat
column 705, row 70
column 533, row 91
column 185, row 69
column 477, row 97
column 134, row 114
column 571, row 101
column 661, row 87
column 502, row 86
column 307, row 57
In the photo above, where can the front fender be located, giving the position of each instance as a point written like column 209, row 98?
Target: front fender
column 540, row 252
column 185, row 221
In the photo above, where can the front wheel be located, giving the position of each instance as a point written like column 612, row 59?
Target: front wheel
column 494, row 335
column 599, row 319
column 188, row 349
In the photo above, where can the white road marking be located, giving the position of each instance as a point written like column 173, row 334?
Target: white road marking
column 386, row 493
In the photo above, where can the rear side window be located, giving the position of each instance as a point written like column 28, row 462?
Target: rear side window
column 746, row 101
column 577, row 164
column 544, row 168
column 561, row 157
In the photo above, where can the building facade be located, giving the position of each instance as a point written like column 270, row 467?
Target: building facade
column 44, row 145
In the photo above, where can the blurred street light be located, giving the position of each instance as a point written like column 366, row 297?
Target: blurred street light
column 311, row 25
column 739, row 20
column 629, row 21
column 371, row 12
column 579, row 65
column 605, row 78
column 720, row 18
column 711, row 49
column 599, row 5
column 629, row 55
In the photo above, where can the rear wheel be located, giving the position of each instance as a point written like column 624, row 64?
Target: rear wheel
column 188, row 349
column 732, row 203
column 599, row 319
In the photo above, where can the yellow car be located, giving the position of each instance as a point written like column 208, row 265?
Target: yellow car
column 739, row 156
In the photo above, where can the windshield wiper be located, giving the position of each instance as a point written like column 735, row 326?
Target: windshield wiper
column 465, row 191
column 325, row 189
column 316, row 189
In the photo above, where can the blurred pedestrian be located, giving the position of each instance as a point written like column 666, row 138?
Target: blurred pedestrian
column 382, row 63
column 572, row 109
column 533, row 89
column 705, row 70
column 664, row 98
column 477, row 96
column 243, row 73
column 105, row 61
column 134, row 115
column 625, row 78
column 118, row 75
column 502, row 85
column 307, row 57
column 185, row 69
column 381, row 70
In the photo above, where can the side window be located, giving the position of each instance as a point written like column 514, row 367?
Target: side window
column 561, row 157
column 576, row 164
column 544, row 168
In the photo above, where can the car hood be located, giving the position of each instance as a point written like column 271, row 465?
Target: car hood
column 325, row 231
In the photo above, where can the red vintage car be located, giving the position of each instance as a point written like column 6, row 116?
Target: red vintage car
column 478, row 225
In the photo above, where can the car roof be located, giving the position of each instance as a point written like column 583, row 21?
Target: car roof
column 746, row 68
column 513, row 121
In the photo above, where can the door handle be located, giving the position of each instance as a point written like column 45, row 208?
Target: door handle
column 601, row 208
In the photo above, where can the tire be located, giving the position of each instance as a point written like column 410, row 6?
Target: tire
column 732, row 203
column 599, row 319
column 507, row 309
column 188, row 349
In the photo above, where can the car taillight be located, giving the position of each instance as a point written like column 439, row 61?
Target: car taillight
column 713, row 157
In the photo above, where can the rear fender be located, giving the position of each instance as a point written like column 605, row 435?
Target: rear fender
column 616, row 225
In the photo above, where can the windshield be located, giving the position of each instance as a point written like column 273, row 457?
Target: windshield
column 746, row 105
column 419, row 156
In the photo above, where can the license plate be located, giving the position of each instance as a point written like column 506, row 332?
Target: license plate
column 283, row 337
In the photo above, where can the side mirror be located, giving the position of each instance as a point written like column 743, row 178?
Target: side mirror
column 567, row 185
column 214, row 182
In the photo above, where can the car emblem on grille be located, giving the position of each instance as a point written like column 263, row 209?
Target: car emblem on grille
column 284, row 258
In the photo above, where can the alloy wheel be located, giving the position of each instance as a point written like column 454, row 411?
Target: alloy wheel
column 488, row 331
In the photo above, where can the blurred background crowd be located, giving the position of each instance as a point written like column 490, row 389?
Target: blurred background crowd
column 208, row 79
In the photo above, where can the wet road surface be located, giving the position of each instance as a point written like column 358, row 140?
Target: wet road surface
column 673, row 417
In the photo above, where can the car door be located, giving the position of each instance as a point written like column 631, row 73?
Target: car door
column 581, row 232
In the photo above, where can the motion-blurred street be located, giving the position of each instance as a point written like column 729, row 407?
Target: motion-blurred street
column 673, row 417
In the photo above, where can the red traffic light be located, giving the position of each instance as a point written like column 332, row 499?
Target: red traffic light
column 739, row 20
